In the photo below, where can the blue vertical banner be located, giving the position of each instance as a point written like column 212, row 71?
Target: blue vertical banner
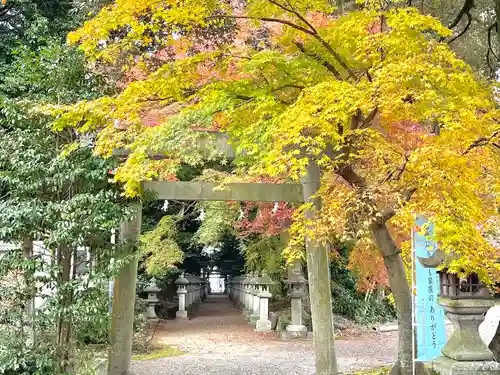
column 429, row 315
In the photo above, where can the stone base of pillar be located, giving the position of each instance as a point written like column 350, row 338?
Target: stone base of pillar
column 447, row 366
column 296, row 331
column 263, row 326
column 253, row 319
column 247, row 313
column 150, row 313
column 181, row 314
column 465, row 344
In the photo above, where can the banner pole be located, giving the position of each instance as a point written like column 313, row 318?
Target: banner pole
column 413, row 290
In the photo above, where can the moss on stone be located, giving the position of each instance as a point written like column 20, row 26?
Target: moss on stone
column 375, row 371
column 159, row 352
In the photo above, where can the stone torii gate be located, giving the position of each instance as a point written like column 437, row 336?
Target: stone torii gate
column 317, row 258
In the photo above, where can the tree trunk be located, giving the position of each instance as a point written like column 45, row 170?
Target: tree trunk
column 497, row 16
column 64, row 323
column 402, row 298
column 340, row 7
column 319, row 283
column 122, row 320
column 27, row 248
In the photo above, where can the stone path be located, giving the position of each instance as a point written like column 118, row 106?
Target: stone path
column 219, row 341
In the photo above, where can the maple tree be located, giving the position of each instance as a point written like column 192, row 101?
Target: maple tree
column 397, row 123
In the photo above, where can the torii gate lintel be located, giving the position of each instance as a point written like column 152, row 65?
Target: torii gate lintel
column 207, row 191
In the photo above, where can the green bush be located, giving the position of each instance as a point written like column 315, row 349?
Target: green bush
column 351, row 304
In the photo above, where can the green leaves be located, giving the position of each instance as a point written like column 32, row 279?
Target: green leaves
column 160, row 247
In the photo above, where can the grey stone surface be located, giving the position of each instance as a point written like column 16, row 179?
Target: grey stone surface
column 263, row 325
column 447, row 366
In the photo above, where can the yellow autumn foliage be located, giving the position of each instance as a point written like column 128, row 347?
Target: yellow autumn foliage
column 398, row 124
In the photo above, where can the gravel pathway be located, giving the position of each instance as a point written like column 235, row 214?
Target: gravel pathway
column 219, row 341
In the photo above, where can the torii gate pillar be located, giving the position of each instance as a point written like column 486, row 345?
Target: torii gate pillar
column 122, row 320
column 318, row 272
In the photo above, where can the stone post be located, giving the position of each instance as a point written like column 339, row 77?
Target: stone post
column 153, row 300
column 264, row 324
column 182, row 283
column 242, row 297
column 122, row 318
column 200, row 285
column 234, row 290
column 250, row 287
column 203, row 289
column 196, row 290
column 228, row 288
column 255, row 315
column 237, row 291
column 245, row 295
column 296, row 282
column 189, row 289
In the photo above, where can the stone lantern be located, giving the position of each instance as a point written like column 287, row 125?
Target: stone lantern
column 182, row 283
column 296, row 282
column 264, row 282
column 465, row 302
column 152, row 300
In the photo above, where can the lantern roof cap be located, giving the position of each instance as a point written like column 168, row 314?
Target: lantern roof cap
column 296, row 277
column 265, row 279
column 253, row 278
column 438, row 258
column 182, row 280
column 152, row 287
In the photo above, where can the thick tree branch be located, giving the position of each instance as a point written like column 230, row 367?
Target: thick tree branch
column 388, row 212
column 268, row 19
column 464, row 11
column 297, row 14
column 466, row 8
column 326, row 64
column 469, row 22
column 348, row 173
column 312, row 32
column 325, row 44
column 396, row 173
column 483, row 141
column 337, row 57
column 490, row 48
column 367, row 121
column 356, row 120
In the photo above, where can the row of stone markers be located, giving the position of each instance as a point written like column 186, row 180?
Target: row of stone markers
column 191, row 290
column 252, row 294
